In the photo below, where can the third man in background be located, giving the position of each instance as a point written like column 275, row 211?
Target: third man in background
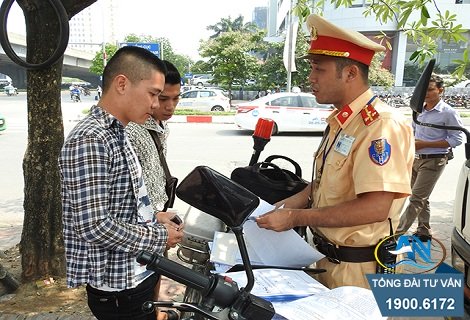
column 433, row 151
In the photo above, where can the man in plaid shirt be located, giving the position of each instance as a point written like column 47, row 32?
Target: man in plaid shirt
column 107, row 215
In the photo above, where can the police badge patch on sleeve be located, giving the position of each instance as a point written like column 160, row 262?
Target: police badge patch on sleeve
column 379, row 151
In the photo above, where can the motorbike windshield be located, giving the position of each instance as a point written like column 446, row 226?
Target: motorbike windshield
column 217, row 195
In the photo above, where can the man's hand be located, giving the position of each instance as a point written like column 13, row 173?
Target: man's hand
column 175, row 235
column 167, row 218
column 175, row 231
column 277, row 220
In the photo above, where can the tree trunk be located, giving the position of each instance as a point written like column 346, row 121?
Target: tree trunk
column 41, row 246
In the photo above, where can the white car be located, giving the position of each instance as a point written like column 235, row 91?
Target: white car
column 291, row 112
column 202, row 80
column 204, row 100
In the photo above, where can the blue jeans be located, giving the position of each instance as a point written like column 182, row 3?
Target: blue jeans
column 122, row 305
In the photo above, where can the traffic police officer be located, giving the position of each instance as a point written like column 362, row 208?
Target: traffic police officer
column 362, row 167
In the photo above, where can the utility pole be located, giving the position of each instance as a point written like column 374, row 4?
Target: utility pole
column 289, row 48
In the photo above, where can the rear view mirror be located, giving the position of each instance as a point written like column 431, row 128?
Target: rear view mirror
column 419, row 93
column 217, row 195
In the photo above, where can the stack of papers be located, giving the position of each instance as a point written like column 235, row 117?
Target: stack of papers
column 279, row 285
column 265, row 247
column 352, row 303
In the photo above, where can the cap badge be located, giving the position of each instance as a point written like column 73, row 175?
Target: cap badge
column 313, row 33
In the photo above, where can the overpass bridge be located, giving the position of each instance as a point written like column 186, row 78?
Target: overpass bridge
column 76, row 63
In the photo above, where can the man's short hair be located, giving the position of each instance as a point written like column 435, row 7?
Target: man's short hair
column 172, row 76
column 341, row 63
column 437, row 80
column 134, row 62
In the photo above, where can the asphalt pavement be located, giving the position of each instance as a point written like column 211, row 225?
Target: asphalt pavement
column 10, row 232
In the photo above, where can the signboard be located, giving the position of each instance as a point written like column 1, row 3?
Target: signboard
column 152, row 47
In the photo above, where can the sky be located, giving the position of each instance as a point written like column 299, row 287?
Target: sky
column 183, row 22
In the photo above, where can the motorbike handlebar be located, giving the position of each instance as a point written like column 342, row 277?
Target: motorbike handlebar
column 221, row 289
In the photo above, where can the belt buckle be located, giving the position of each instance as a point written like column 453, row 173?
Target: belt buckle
column 417, row 156
column 332, row 256
column 327, row 248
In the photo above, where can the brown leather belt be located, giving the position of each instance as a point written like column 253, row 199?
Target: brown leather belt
column 336, row 254
column 430, row 156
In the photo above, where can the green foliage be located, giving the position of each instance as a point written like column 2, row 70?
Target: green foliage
column 227, row 25
column 231, row 57
column 379, row 76
column 191, row 112
column 424, row 31
column 273, row 73
column 181, row 62
column 97, row 64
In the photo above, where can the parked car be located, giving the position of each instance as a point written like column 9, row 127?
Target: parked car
column 201, row 80
column 3, row 124
column 204, row 100
column 291, row 112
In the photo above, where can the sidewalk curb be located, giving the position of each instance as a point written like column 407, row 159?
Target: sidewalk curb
column 201, row 119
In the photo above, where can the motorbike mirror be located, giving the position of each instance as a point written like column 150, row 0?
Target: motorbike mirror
column 217, row 195
column 419, row 93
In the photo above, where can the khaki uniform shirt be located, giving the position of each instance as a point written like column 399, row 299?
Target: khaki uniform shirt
column 365, row 151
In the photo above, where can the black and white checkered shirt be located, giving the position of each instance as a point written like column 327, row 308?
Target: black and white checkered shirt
column 99, row 186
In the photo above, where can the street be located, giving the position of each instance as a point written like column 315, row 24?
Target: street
column 220, row 146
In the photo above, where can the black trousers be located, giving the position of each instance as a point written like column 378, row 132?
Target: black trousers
column 122, row 305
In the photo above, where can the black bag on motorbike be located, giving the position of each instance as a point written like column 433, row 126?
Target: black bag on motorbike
column 268, row 181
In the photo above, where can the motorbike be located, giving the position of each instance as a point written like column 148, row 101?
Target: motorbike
column 10, row 91
column 217, row 203
column 75, row 96
column 220, row 298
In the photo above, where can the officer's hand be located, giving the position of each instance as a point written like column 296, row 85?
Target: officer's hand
column 277, row 220
column 175, row 235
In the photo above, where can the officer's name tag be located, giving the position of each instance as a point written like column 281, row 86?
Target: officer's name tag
column 344, row 144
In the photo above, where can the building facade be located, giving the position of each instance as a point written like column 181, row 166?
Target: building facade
column 93, row 26
column 402, row 46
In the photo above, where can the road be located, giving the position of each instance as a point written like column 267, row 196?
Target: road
column 220, row 146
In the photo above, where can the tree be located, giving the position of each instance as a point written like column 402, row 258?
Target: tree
column 230, row 55
column 41, row 245
column 181, row 62
column 273, row 72
column 97, row 64
column 227, row 25
column 424, row 31
column 379, row 76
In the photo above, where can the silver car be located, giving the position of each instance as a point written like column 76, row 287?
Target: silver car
column 204, row 100
column 202, row 80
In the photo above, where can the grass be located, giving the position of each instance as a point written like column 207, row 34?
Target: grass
column 190, row 112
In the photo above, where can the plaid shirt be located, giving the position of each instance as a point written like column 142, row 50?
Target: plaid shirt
column 99, row 186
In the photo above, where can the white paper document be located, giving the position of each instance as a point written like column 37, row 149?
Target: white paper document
column 265, row 247
column 352, row 303
column 279, row 284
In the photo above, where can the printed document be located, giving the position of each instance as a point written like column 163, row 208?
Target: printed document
column 279, row 284
column 265, row 247
column 352, row 303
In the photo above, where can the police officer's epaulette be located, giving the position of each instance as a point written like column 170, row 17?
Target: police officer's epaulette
column 369, row 115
